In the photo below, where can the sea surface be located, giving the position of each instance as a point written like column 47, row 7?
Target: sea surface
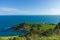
column 8, row 21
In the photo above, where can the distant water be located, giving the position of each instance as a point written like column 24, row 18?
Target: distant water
column 8, row 21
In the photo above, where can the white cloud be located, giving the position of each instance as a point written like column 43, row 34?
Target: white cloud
column 14, row 11
column 48, row 12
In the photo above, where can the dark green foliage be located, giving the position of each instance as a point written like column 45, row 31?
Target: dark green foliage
column 9, row 38
column 57, row 26
column 14, row 38
column 47, row 32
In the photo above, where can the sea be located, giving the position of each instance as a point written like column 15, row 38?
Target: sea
column 7, row 21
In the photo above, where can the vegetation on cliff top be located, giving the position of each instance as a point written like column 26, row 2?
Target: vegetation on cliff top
column 37, row 31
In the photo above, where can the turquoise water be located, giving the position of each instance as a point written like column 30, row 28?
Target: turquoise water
column 8, row 21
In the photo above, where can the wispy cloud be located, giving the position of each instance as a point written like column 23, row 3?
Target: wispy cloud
column 12, row 10
column 30, row 12
column 51, row 11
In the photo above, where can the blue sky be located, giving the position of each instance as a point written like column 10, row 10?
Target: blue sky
column 29, row 7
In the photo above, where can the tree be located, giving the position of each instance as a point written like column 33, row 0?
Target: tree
column 57, row 26
column 14, row 38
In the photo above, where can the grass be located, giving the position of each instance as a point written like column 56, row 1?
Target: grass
column 53, row 37
column 47, row 26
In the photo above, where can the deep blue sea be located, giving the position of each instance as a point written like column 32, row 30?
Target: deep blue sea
column 8, row 21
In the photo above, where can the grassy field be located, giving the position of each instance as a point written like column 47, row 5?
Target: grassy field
column 54, row 37
column 47, row 26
